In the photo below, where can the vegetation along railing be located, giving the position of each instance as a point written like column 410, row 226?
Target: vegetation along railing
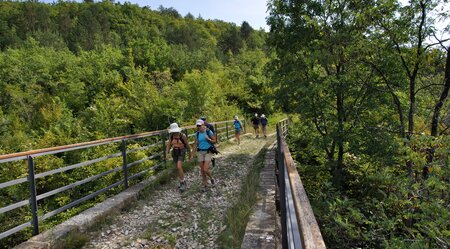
column 114, row 159
column 298, row 225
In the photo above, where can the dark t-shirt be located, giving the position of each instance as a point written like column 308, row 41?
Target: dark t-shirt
column 255, row 121
column 263, row 121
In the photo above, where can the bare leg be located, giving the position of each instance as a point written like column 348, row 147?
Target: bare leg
column 202, row 171
column 206, row 169
column 180, row 170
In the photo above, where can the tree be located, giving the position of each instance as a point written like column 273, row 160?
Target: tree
column 169, row 12
column 318, row 71
column 442, row 97
column 231, row 40
column 246, row 30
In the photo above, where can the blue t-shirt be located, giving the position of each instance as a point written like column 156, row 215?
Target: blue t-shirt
column 237, row 125
column 202, row 143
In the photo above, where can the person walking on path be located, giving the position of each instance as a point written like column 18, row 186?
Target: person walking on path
column 237, row 129
column 203, row 141
column 255, row 121
column 178, row 141
column 208, row 125
column 211, row 128
column 264, row 123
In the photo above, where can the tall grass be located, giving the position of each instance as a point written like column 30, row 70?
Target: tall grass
column 237, row 216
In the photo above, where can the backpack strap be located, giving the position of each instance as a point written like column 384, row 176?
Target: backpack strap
column 207, row 130
column 181, row 137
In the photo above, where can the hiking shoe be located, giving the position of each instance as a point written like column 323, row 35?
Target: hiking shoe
column 205, row 189
column 213, row 182
column 182, row 186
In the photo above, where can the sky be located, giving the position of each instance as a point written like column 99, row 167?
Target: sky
column 235, row 11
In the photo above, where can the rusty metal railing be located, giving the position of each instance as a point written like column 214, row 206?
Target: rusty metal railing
column 151, row 144
column 298, row 223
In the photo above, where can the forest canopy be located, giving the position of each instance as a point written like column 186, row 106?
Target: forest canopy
column 365, row 83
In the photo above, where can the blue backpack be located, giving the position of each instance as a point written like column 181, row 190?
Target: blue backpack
column 237, row 125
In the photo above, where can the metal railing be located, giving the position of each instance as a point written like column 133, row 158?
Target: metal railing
column 151, row 144
column 299, row 228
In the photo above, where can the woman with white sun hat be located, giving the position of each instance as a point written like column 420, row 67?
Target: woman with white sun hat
column 178, row 141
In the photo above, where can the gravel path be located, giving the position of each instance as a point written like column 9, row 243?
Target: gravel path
column 193, row 219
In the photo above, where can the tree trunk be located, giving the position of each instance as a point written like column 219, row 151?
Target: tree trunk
column 398, row 104
column 437, row 112
column 338, row 171
column 444, row 95
column 412, row 106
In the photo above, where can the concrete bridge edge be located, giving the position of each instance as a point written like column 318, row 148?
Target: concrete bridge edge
column 86, row 219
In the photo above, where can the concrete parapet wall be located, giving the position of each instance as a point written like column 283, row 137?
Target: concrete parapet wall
column 81, row 222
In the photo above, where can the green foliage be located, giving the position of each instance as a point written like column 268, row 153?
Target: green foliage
column 359, row 75
column 232, row 236
column 75, row 72
column 380, row 205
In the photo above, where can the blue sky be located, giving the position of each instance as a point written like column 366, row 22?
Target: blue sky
column 236, row 11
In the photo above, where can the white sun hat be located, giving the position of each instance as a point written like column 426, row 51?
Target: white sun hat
column 263, row 116
column 174, row 128
column 200, row 122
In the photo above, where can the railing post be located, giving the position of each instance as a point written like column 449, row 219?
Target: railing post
column 163, row 142
column 33, row 201
column 245, row 129
column 217, row 133
column 124, row 160
column 226, row 125
column 186, row 133
column 282, row 187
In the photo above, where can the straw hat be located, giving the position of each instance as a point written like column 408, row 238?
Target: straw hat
column 174, row 128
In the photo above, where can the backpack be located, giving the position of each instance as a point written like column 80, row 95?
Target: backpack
column 181, row 137
column 237, row 124
column 210, row 127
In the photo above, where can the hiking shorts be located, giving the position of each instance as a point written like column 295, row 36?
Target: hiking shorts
column 237, row 131
column 256, row 127
column 178, row 154
column 203, row 156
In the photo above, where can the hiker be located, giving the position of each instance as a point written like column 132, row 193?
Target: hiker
column 211, row 128
column 264, row 123
column 180, row 145
column 208, row 125
column 237, row 129
column 203, row 140
column 255, row 122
